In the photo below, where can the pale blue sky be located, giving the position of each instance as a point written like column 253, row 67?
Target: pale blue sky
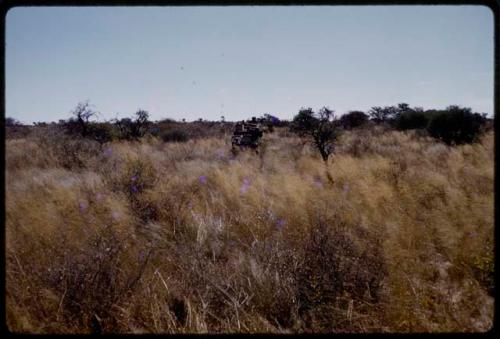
column 204, row 62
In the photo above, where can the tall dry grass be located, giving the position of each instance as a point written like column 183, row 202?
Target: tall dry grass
column 395, row 234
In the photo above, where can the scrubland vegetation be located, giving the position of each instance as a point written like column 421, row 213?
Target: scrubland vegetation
column 173, row 234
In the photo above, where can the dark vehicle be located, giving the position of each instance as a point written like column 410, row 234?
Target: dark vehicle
column 246, row 134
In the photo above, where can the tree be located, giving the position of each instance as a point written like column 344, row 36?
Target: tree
column 457, row 125
column 174, row 135
column 402, row 108
column 101, row 132
column 412, row 119
column 123, row 126
column 389, row 114
column 140, row 125
column 269, row 121
column 377, row 114
column 11, row 122
column 353, row 119
column 304, row 122
column 319, row 127
column 134, row 129
column 81, row 118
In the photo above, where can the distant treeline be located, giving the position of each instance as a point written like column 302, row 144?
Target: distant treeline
column 452, row 125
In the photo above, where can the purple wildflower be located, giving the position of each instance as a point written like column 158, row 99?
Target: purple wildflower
column 202, row 179
column 280, row 223
column 246, row 185
column 318, row 183
column 99, row 196
column 115, row 215
column 83, row 206
column 142, row 255
column 134, row 189
column 345, row 188
column 134, row 178
column 108, row 152
column 220, row 153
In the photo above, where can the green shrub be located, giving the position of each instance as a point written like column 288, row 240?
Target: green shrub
column 457, row 125
column 337, row 270
column 412, row 120
column 174, row 135
column 133, row 129
column 353, row 119
column 100, row 132
column 320, row 128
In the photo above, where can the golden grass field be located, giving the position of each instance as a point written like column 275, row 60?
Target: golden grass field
column 394, row 234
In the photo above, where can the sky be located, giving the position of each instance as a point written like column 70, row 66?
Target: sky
column 238, row 62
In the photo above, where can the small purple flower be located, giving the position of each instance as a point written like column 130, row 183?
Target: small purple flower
column 318, row 183
column 142, row 255
column 202, row 179
column 108, row 152
column 133, row 178
column 83, row 206
column 220, row 153
column 246, row 185
column 115, row 215
column 99, row 196
column 134, row 189
column 280, row 223
column 190, row 205
column 269, row 247
column 345, row 188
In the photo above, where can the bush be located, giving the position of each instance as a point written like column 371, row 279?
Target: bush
column 271, row 122
column 15, row 129
column 337, row 270
column 174, row 135
column 74, row 153
column 100, row 132
column 80, row 122
column 457, row 125
column 10, row 122
column 412, row 120
column 382, row 114
column 353, row 119
column 320, row 128
column 133, row 129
